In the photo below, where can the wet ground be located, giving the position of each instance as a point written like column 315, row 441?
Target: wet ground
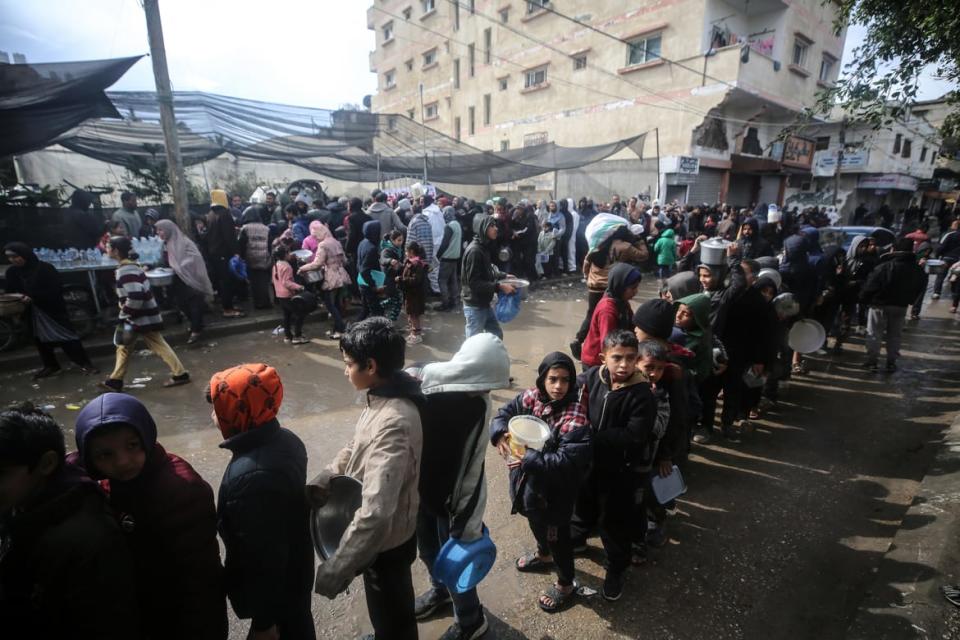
column 778, row 537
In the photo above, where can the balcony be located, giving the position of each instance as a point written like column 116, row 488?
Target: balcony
column 761, row 77
column 372, row 18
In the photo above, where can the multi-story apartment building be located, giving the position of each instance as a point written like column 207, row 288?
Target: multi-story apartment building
column 713, row 81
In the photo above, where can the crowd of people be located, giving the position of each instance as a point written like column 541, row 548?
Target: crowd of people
column 119, row 539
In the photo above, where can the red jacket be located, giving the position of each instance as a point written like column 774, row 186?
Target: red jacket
column 606, row 318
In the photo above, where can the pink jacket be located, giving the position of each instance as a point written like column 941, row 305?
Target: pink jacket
column 283, row 283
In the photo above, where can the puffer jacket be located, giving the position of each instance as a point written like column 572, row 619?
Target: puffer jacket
column 384, row 455
column 896, row 281
column 620, row 251
column 264, row 523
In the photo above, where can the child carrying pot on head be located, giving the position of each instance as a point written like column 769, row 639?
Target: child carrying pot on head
column 544, row 484
column 139, row 317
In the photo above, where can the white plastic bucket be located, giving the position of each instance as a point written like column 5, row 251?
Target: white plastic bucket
column 530, row 431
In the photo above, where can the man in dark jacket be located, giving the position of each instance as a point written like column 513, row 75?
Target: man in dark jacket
column 65, row 571
column 355, row 220
column 751, row 244
column 263, row 518
column 891, row 287
column 478, row 280
column 622, row 418
column 381, row 212
column 368, row 261
column 84, row 227
column 949, row 252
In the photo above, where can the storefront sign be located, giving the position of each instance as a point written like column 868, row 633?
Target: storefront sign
column 688, row 165
column 798, row 152
column 895, row 181
column 825, row 162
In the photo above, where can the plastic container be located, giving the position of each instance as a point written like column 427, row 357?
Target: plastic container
column 669, row 488
column 329, row 522
column 806, row 336
column 379, row 277
column 460, row 566
column 714, row 251
column 529, row 431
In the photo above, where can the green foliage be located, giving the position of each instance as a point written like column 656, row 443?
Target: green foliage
column 243, row 184
column 903, row 37
column 149, row 180
column 33, row 196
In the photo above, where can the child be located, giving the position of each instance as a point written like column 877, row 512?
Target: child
column 612, row 313
column 65, row 571
column 391, row 263
column 546, row 246
column 413, row 282
column 453, row 487
column 544, row 484
column 666, row 250
column 167, row 512
column 285, row 288
column 368, row 261
column 623, row 414
column 686, row 244
column 139, row 317
column 692, row 331
column 261, row 515
column 384, row 455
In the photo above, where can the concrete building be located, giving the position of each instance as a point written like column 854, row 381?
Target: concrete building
column 713, row 81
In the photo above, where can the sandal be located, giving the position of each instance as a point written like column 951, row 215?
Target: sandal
column 531, row 562
column 176, row 381
column 560, row 599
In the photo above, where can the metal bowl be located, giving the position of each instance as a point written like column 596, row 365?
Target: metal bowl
column 934, row 266
column 302, row 255
column 160, row 277
column 329, row 522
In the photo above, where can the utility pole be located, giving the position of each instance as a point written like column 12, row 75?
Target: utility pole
column 836, row 176
column 423, row 121
column 168, row 121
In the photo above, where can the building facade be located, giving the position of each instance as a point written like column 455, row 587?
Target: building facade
column 713, row 82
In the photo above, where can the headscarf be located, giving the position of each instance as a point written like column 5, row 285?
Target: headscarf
column 245, row 397
column 317, row 229
column 550, row 361
column 449, row 214
column 184, row 258
column 251, row 215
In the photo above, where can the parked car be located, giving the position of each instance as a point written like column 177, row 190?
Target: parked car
column 843, row 236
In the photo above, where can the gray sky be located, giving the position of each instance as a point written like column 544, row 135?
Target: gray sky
column 303, row 52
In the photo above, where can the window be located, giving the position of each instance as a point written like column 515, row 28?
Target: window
column 580, row 62
column 387, row 32
column 826, row 68
column 504, row 145
column 431, row 111
column 823, row 142
column 535, row 78
column 896, row 143
column 390, row 79
column 456, row 128
column 472, row 59
column 933, row 157
column 534, row 139
column 391, row 123
column 429, row 58
column 487, row 45
column 503, row 83
column 410, row 113
column 473, row 6
column 800, row 47
column 408, row 13
column 456, row 15
column 409, row 64
column 487, row 108
column 504, row 15
column 537, row 5
column 643, row 50
column 456, row 73
column 429, row 6
column 923, row 154
column 907, row 144
column 471, row 121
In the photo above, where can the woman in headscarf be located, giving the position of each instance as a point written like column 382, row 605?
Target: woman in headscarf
column 39, row 284
column 330, row 258
column 254, row 242
column 190, row 283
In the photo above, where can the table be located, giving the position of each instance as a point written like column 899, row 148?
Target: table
column 91, row 278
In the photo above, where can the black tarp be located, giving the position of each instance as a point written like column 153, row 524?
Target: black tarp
column 39, row 102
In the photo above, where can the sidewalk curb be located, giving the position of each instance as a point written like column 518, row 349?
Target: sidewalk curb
column 903, row 600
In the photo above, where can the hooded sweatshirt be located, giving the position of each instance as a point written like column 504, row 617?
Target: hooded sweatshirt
column 170, row 523
column 547, row 481
column 368, row 253
column 478, row 275
column 683, row 284
column 611, row 314
column 754, row 246
column 666, row 248
column 384, row 455
column 388, row 219
column 699, row 338
column 452, row 480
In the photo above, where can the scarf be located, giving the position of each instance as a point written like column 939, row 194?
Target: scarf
column 185, row 258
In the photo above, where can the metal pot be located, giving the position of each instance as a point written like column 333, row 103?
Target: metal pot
column 330, row 522
column 935, row 267
column 160, row 277
column 714, row 251
column 313, row 276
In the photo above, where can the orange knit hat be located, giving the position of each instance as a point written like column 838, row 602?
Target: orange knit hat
column 245, row 397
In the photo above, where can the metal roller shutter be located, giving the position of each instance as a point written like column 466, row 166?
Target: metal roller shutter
column 769, row 189
column 706, row 188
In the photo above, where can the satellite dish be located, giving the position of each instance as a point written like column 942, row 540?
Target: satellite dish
column 367, row 101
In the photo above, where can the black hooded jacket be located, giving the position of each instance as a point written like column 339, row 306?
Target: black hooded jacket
column 896, row 281
column 478, row 276
column 755, row 246
column 547, row 481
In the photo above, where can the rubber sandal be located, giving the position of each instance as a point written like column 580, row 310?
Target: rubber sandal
column 560, row 599
column 531, row 562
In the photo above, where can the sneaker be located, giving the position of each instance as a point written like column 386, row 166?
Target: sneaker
column 428, row 602
column 870, row 365
column 301, row 340
column 457, row 632
column 935, row 296
column 891, row 366
column 639, row 554
column 730, row 435
column 414, row 338
column 702, row 436
column 288, row 341
column 612, row 586
column 112, row 385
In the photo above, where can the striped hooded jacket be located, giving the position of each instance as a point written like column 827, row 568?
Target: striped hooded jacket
column 138, row 308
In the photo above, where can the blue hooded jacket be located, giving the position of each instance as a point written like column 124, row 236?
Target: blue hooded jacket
column 109, row 409
column 368, row 253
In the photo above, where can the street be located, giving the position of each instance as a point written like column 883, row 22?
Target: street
column 777, row 537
